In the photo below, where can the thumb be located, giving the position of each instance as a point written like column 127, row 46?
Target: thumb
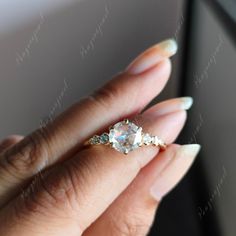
column 133, row 212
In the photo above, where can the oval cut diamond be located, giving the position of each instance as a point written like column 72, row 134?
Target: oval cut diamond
column 125, row 136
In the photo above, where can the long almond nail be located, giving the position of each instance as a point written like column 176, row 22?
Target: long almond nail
column 170, row 106
column 174, row 172
column 153, row 56
column 186, row 103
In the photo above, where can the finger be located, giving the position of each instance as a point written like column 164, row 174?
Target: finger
column 171, row 105
column 79, row 191
column 9, row 141
column 5, row 144
column 125, row 95
column 133, row 212
column 10, row 186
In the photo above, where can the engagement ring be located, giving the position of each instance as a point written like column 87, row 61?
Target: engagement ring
column 125, row 136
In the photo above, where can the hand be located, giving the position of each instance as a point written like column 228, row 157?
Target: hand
column 50, row 184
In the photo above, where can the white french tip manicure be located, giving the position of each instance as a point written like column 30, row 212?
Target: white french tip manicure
column 152, row 56
column 170, row 46
column 189, row 149
column 187, row 103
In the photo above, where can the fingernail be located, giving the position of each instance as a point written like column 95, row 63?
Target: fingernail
column 153, row 56
column 170, row 106
column 186, row 103
column 174, row 172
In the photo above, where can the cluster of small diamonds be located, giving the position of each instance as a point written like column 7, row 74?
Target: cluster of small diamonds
column 154, row 140
column 102, row 139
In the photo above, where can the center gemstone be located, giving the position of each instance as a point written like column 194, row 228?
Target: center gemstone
column 125, row 136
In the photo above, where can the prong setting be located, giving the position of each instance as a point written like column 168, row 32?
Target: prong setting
column 126, row 121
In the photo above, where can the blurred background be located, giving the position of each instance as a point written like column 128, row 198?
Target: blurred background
column 52, row 53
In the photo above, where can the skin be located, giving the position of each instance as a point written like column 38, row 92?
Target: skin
column 50, row 184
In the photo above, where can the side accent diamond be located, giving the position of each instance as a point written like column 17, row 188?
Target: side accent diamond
column 95, row 140
column 104, row 138
column 147, row 139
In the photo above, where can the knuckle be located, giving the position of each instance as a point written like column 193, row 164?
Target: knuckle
column 47, row 197
column 8, row 141
column 31, row 154
column 116, row 93
column 106, row 96
column 29, row 201
column 130, row 225
column 62, row 189
column 50, row 191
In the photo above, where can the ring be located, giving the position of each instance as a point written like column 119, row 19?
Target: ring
column 125, row 136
